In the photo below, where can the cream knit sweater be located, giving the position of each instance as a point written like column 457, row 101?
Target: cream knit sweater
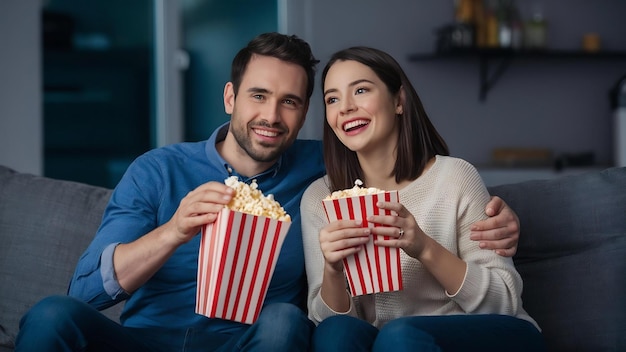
column 445, row 201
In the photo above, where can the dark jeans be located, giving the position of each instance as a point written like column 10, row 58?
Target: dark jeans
column 429, row 333
column 63, row 323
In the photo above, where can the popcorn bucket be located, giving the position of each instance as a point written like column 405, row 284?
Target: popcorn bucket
column 237, row 257
column 374, row 269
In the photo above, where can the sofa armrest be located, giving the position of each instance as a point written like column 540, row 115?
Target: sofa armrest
column 571, row 256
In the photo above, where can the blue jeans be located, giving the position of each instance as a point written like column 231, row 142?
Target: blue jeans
column 429, row 333
column 63, row 323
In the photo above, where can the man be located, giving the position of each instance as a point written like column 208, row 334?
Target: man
column 146, row 249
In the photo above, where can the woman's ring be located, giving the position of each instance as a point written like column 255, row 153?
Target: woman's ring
column 401, row 233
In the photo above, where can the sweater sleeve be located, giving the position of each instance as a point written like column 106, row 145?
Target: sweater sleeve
column 313, row 220
column 491, row 284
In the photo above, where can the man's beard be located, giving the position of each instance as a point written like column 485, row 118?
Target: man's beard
column 267, row 154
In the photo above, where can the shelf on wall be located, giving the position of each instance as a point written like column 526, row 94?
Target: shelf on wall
column 505, row 56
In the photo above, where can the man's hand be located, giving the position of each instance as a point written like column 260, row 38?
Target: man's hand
column 135, row 262
column 500, row 231
column 197, row 208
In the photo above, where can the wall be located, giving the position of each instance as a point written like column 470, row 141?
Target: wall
column 213, row 33
column 20, row 86
column 559, row 104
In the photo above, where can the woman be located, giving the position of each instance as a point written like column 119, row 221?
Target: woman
column 456, row 296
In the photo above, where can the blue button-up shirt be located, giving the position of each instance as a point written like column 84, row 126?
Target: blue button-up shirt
column 148, row 195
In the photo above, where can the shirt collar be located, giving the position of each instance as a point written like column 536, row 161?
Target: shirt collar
column 218, row 161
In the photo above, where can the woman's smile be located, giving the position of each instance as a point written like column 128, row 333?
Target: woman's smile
column 355, row 126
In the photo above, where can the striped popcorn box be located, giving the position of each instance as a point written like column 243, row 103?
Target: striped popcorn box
column 237, row 257
column 375, row 269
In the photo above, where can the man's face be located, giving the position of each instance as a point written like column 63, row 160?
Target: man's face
column 268, row 111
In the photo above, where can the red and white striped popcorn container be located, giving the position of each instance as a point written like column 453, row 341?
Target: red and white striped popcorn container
column 236, row 261
column 375, row 269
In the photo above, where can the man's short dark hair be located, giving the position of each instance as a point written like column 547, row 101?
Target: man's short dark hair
column 284, row 47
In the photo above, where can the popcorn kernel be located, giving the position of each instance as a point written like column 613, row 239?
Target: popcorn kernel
column 355, row 191
column 249, row 199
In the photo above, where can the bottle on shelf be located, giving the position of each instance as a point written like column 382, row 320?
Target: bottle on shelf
column 492, row 39
column 464, row 11
column 517, row 30
column 490, row 23
column 497, row 23
column 535, row 30
column 459, row 34
column 480, row 25
column 505, row 31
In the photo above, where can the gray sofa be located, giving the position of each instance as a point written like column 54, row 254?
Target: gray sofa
column 572, row 251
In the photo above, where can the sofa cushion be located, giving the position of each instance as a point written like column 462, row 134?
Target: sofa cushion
column 45, row 225
column 571, row 256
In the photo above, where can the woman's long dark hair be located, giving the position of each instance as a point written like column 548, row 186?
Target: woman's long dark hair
column 418, row 140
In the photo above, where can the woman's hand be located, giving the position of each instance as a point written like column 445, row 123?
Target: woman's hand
column 402, row 230
column 447, row 268
column 340, row 239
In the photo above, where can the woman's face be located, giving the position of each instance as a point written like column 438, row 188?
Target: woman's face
column 359, row 107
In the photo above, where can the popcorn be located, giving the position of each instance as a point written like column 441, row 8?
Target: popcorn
column 375, row 268
column 249, row 199
column 238, row 254
column 355, row 191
